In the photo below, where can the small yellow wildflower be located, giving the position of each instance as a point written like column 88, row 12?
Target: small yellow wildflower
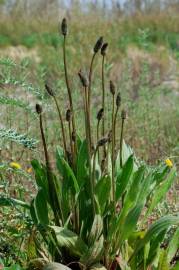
column 15, row 165
column 169, row 163
column 29, row 170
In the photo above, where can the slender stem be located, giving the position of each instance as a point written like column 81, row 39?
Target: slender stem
column 113, row 148
column 90, row 80
column 87, row 120
column 103, row 103
column 69, row 91
column 70, row 136
column 44, row 144
column 121, row 142
column 62, row 126
column 85, row 114
column 89, row 149
column 115, row 120
column 121, row 161
column 94, row 159
column 89, row 97
column 97, row 137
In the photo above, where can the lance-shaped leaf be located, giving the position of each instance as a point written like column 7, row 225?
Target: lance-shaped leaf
column 82, row 163
column 69, row 240
column 41, row 177
column 124, row 177
column 96, row 230
column 161, row 190
column 163, row 264
column 67, row 173
column 173, row 246
column 160, row 225
column 94, row 253
column 129, row 225
column 102, row 192
column 40, row 206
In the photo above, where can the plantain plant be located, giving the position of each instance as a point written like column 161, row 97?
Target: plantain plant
column 92, row 210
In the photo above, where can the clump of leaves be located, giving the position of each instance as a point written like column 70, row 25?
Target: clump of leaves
column 93, row 213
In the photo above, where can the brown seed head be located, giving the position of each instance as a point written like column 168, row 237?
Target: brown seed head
column 102, row 141
column 49, row 90
column 123, row 114
column 98, row 45
column 104, row 48
column 64, row 28
column 38, row 108
column 112, row 87
column 100, row 114
column 83, row 79
column 118, row 100
column 68, row 115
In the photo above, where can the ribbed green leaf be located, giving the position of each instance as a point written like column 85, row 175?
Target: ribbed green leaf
column 173, row 246
column 94, row 253
column 102, row 192
column 40, row 206
column 163, row 264
column 160, row 173
column 32, row 212
column 146, row 254
column 161, row 190
column 59, row 156
column 130, row 222
column 156, row 228
column 69, row 240
column 154, row 246
column 41, row 177
column 126, row 151
column 96, row 230
column 67, row 172
column 124, row 177
column 55, row 266
column 145, row 188
column 82, row 163
column 133, row 192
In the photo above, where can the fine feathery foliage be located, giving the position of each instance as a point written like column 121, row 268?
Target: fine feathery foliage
column 14, row 136
column 16, row 102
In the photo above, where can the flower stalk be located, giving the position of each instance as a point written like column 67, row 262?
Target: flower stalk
column 64, row 31
column 51, row 185
column 123, row 117
column 112, row 90
column 51, row 93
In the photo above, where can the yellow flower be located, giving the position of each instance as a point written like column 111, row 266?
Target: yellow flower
column 169, row 163
column 15, row 165
column 29, row 170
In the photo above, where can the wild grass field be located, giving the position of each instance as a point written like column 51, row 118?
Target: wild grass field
column 89, row 135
